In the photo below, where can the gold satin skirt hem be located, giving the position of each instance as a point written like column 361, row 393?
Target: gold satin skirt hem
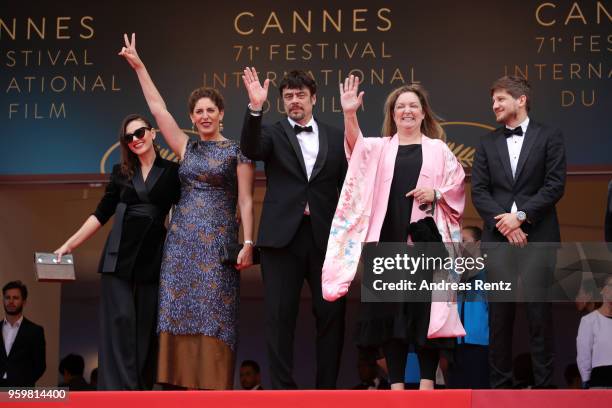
column 195, row 362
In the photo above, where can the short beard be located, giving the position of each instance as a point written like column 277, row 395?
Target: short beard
column 298, row 116
column 15, row 313
column 508, row 117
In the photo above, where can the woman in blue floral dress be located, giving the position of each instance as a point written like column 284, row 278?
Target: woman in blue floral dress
column 199, row 297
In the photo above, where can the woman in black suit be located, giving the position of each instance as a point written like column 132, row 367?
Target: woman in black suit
column 140, row 193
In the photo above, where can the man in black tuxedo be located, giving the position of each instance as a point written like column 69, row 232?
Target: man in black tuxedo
column 518, row 175
column 305, row 165
column 22, row 345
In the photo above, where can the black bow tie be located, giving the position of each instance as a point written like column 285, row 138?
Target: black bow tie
column 516, row 131
column 299, row 129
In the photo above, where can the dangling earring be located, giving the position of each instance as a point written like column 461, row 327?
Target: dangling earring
column 221, row 125
column 193, row 127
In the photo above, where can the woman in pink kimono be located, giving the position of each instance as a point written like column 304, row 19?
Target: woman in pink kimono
column 386, row 176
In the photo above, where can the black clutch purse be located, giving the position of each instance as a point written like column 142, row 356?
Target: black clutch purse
column 228, row 254
column 424, row 230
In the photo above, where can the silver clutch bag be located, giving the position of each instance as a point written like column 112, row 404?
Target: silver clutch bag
column 48, row 269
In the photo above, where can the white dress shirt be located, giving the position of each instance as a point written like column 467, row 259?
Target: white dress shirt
column 309, row 144
column 9, row 332
column 593, row 344
column 515, row 143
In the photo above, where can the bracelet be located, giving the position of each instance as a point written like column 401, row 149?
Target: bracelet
column 248, row 242
column 253, row 111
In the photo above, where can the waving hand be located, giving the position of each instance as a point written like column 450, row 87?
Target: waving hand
column 257, row 93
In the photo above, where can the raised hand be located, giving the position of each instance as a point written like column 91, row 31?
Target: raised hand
column 129, row 52
column 350, row 99
column 257, row 93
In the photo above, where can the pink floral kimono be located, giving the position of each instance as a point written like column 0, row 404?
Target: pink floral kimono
column 363, row 204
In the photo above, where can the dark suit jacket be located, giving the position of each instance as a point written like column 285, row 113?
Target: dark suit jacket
column 26, row 362
column 537, row 186
column 287, row 187
column 142, row 237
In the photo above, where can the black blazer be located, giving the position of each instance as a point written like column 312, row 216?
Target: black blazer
column 142, row 236
column 26, row 362
column 287, row 186
column 538, row 184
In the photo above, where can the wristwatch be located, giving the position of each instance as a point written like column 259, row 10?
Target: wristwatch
column 248, row 242
column 437, row 195
column 521, row 216
column 254, row 112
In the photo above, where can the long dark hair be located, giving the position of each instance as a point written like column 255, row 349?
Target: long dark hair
column 129, row 159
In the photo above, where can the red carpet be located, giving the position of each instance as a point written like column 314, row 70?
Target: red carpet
column 332, row 399
column 542, row 398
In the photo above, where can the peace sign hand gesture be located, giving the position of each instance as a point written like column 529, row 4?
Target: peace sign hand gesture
column 129, row 52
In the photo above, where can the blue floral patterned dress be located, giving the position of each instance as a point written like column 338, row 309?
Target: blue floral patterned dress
column 199, row 297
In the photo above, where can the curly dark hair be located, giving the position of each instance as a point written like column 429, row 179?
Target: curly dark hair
column 205, row 92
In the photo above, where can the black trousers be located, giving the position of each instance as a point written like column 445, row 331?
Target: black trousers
column 396, row 354
column 284, row 271
column 535, row 268
column 127, row 353
column 601, row 377
column 470, row 368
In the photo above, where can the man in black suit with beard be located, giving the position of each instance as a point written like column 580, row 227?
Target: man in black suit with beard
column 305, row 165
column 22, row 345
column 518, row 176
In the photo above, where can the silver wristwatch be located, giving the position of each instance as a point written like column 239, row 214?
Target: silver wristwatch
column 437, row 195
column 521, row 216
column 254, row 112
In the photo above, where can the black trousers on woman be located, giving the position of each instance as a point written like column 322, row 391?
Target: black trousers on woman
column 127, row 352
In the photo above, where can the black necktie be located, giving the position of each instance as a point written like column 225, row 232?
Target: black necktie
column 516, row 131
column 299, row 129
